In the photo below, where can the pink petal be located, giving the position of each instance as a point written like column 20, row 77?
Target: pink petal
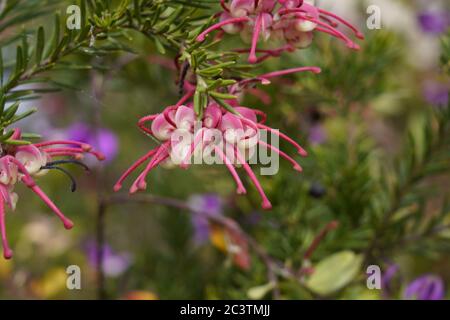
column 247, row 113
column 241, row 8
column 230, row 121
column 161, row 128
column 266, row 5
column 212, row 116
column 185, row 118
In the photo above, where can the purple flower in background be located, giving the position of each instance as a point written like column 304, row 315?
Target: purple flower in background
column 434, row 22
column 427, row 287
column 317, row 134
column 114, row 264
column 436, row 93
column 253, row 218
column 202, row 207
column 104, row 140
column 387, row 279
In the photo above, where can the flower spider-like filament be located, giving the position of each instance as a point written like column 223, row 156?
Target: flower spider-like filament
column 22, row 163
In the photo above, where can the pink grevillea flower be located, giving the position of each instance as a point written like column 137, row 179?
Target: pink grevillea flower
column 22, row 163
column 292, row 21
column 239, row 131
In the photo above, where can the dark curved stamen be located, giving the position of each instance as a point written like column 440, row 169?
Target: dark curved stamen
column 183, row 74
column 73, row 186
column 56, row 162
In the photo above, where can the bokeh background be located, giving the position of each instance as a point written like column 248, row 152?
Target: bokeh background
column 354, row 119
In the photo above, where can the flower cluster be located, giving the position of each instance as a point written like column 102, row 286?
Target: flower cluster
column 24, row 162
column 229, row 134
column 291, row 22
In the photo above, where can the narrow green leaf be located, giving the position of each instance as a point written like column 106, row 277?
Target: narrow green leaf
column 7, row 135
column 23, row 115
column 224, row 96
column 210, row 73
column 137, row 10
column 197, row 102
column 24, row 50
column 1, row 67
column 2, row 103
column 19, row 61
column 11, row 111
column 60, row 47
column 53, row 43
column 40, row 43
column 226, row 106
column 83, row 13
column 17, row 142
column 159, row 45
column 30, row 136
column 219, row 65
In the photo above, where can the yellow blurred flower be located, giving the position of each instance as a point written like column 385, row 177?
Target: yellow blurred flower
column 232, row 243
column 52, row 284
column 5, row 268
column 141, row 295
column 218, row 238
